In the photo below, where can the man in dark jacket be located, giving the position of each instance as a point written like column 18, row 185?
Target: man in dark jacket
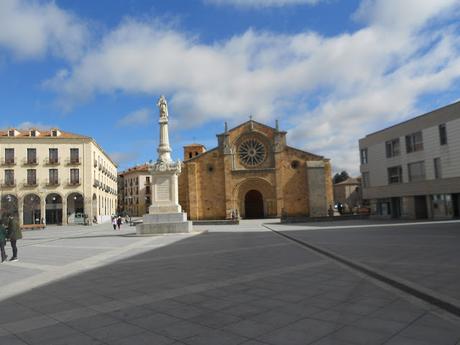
column 14, row 234
column 2, row 241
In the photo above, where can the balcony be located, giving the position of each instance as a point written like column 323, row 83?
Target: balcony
column 73, row 182
column 73, row 161
column 96, row 183
column 10, row 161
column 31, row 183
column 51, row 161
column 8, row 184
column 53, row 182
column 30, row 161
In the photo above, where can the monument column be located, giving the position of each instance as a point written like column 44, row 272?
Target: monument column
column 165, row 214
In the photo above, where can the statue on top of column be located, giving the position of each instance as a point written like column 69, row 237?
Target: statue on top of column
column 163, row 106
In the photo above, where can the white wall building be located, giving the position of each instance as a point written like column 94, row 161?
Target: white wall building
column 55, row 177
column 412, row 170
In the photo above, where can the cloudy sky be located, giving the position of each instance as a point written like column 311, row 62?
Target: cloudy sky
column 329, row 70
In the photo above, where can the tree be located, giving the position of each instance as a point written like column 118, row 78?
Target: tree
column 340, row 177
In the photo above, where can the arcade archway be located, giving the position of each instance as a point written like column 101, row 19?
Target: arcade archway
column 31, row 211
column 75, row 207
column 9, row 206
column 53, row 211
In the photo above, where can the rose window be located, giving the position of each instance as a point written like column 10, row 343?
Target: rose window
column 252, row 152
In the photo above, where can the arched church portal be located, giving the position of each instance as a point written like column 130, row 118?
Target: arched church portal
column 253, row 205
column 255, row 198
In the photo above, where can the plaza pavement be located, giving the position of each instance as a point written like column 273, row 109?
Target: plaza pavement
column 229, row 285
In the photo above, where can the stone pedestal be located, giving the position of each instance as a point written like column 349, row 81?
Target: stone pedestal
column 165, row 214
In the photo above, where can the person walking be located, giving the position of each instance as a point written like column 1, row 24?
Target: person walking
column 114, row 222
column 14, row 233
column 119, row 222
column 3, row 235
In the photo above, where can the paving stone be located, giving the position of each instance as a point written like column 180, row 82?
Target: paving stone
column 435, row 335
column 359, row 336
column 11, row 340
column 92, row 322
column 338, row 317
column 146, row 338
column 215, row 337
column 215, row 319
column 114, row 331
column 182, row 330
column 399, row 340
column 48, row 334
column 248, row 328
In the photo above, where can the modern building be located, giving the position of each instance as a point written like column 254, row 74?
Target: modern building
column 253, row 173
column 137, row 194
column 412, row 170
column 55, row 177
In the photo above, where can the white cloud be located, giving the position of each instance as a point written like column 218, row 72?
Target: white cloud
column 124, row 158
column 357, row 81
column 31, row 29
column 262, row 3
column 139, row 117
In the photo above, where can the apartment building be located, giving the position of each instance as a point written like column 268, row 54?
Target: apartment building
column 137, row 193
column 412, row 170
column 55, row 177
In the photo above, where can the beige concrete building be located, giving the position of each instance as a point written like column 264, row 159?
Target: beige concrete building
column 55, row 177
column 412, row 170
column 255, row 174
column 137, row 194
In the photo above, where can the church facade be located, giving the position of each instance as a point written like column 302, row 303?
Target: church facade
column 253, row 173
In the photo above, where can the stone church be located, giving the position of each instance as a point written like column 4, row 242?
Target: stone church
column 253, row 173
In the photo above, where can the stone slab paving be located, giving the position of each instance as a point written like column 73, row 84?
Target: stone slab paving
column 232, row 285
column 425, row 253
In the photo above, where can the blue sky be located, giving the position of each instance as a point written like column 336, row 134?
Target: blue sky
column 329, row 70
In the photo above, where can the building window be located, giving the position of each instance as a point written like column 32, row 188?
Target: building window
column 11, row 133
column 392, row 148
column 31, row 177
column 395, row 175
column 74, row 176
column 33, row 133
column 437, row 168
column 53, row 177
column 74, row 156
column 54, row 133
column 9, row 156
column 31, row 156
column 363, row 156
column 443, row 134
column 416, row 171
column 414, row 142
column 147, row 179
column 366, row 181
column 53, row 156
column 9, row 177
